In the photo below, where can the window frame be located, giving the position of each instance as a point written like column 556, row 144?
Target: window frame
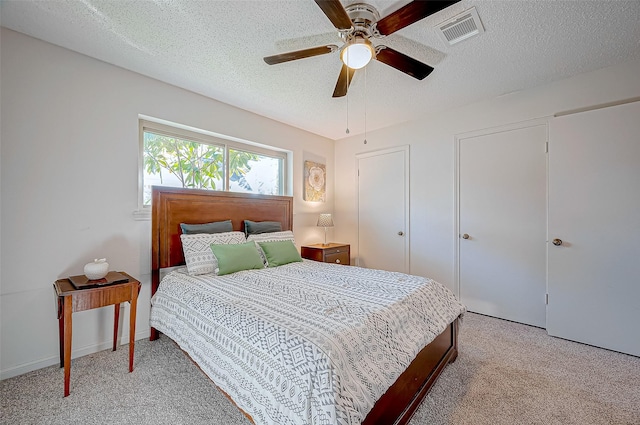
column 209, row 138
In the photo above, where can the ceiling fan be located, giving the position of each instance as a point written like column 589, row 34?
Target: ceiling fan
column 357, row 23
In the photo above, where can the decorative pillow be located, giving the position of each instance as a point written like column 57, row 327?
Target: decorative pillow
column 197, row 250
column 235, row 257
column 285, row 235
column 214, row 227
column 280, row 252
column 257, row 227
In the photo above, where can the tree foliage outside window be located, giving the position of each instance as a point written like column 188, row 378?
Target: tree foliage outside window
column 177, row 162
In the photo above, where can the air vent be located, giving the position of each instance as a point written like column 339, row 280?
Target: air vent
column 461, row 27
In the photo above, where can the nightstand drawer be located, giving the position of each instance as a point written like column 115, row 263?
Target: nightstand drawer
column 332, row 251
column 338, row 257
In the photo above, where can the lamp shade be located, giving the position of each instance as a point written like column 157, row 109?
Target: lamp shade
column 325, row 220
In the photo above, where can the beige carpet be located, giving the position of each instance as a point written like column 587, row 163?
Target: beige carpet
column 506, row 373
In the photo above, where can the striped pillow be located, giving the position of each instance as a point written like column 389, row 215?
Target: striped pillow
column 197, row 250
column 285, row 235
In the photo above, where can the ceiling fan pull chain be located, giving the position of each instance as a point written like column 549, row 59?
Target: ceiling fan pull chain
column 365, row 106
column 347, row 96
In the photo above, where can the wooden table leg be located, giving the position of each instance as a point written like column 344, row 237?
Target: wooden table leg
column 132, row 322
column 116, row 321
column 61, row 329
column 68, row 309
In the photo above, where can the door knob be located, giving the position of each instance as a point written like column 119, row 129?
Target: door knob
column 400, row 233
column 557, row 242
column 465, row 236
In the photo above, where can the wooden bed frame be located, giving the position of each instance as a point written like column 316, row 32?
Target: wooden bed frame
column 172, row 206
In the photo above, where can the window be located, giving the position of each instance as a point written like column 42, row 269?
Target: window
column 177, row 157
column 255, row 173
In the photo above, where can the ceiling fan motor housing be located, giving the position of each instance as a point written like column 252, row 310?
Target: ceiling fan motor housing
column 363, row 16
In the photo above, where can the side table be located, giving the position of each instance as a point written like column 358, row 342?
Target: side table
column 71, row 300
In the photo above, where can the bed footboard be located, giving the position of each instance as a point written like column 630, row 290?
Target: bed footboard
column 400, row 402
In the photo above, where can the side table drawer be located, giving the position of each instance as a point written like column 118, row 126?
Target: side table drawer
column 331, row 251
column 341, row 257
column 104, row 296
column 336, row 253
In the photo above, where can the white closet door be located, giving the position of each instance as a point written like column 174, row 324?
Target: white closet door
column 594, row 209
column 383, row 209
column 502, row 224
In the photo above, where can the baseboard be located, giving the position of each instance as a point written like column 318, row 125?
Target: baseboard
column 83, row 351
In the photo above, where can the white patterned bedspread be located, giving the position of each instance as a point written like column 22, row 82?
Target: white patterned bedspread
column 303, row 343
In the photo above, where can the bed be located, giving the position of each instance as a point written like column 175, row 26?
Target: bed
column 395, row 405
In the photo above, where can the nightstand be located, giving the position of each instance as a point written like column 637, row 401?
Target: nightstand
column 71, row 300
column 331, row 253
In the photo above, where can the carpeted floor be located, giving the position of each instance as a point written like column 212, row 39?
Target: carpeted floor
column 506, row 373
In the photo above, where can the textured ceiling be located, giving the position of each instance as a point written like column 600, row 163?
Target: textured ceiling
column 216, row 48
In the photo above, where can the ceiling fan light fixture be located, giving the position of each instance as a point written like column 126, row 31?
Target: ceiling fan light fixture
column 357, row 53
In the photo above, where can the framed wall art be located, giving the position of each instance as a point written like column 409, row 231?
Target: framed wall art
column 314, row 181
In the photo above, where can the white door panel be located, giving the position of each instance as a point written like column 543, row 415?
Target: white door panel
column 383, row 210
column 594, row 208
column 502, row 208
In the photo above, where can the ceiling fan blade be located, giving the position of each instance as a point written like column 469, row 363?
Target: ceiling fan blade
column 402, row 62
column 336, row 13
column 346, row 75
column 300, row 54
column 410, row 13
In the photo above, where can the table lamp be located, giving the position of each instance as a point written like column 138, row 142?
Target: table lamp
column 325, row 220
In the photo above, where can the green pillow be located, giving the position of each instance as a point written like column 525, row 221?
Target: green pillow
column 280, row 252
column 235, row 257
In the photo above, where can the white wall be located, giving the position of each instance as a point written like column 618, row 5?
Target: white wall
column 69, row 176
column 432, row 153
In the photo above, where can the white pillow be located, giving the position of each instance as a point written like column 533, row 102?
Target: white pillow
column 197, row 250
column 285, row 235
